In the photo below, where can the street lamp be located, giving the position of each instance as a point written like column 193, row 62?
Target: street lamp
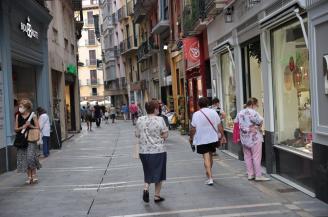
column 228, row 14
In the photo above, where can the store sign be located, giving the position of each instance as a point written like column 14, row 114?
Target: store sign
column 28, row 29
column 191, row 51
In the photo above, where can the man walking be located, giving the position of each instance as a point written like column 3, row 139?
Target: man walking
column 134, row 112
column 125, row 111
column 98, row 114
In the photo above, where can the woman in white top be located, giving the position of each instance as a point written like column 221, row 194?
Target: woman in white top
column 205, row 133
column 44, row 123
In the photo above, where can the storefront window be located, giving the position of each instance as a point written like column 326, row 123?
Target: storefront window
column 228, row 90
column 292, row 88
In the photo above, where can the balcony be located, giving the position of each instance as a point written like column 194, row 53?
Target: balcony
column 109, row 55
column 116, row 52
column 91, row 62
column 121, row 13
column 129, row 7
column 89, row 42
column 128, row 45
column 147, row 49
column 140, row 9
column 116, row 87
column 194, row 18
column 214, row 7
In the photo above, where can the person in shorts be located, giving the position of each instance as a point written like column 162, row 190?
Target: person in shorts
column 205, row 133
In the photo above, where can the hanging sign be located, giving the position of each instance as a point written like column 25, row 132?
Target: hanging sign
column 28, row 29
column 191, row 51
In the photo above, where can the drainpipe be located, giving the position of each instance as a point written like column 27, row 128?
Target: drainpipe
column 296, row 11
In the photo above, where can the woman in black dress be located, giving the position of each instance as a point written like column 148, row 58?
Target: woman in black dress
column 27, row 159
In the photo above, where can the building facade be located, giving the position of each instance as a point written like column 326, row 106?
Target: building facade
column 113, row 66
column 90, row 69
column 262, row 49
column 63, row 34
column 24, row 66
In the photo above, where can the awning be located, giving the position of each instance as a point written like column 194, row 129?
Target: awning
column 226, row 45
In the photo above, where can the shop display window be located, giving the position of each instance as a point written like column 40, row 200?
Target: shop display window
column 228, row 90
column 290, row 62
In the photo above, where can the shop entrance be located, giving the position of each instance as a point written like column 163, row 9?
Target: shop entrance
column 70, row 103
column 252, row 76
column 25, row 82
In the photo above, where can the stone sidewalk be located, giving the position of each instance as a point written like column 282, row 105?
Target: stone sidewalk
column 94, row 174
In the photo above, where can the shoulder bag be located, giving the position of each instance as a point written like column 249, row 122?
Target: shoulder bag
column 218, row 143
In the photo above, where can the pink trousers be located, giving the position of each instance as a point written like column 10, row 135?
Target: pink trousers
column 253, row 158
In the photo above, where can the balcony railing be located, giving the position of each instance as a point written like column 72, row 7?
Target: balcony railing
column 116, row 84
column 109, row 54
column 147, row 49
column 128, row 44
column 114, row 18
column 91, row 62
column 214, row 7
column 121, row 13
column 116, row 52
column 130, row 8
column 89, row 42
column 192, row 15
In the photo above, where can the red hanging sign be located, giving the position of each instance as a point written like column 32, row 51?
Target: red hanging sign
column 191, row 51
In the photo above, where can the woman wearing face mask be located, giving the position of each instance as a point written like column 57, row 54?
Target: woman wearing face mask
column 27, row 160
column 250, row 124
column 152, row 131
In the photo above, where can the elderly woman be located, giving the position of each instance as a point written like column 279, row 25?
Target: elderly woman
column 250, row 123
column 152, row 131
column 27, row 160
column 205, row 133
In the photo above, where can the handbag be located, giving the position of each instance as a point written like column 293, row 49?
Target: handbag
column 236, row 133
column 218, row 143
column 21, row 141
column 33, row 135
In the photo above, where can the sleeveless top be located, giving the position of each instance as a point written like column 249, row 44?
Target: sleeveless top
column 22, row 120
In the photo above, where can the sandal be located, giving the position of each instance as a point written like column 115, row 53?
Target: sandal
column 34, row 179
column 145, row 196
column 29, row 180
column 159, row 199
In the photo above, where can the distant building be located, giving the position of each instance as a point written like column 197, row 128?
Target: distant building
column 90, row 57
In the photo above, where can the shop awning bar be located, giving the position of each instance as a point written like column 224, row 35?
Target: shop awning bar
column 225, row 46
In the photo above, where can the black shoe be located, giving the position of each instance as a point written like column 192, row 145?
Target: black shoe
column 145, row 196
column 158, row 199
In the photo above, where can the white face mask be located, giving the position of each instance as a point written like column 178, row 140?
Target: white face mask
column 21, row 110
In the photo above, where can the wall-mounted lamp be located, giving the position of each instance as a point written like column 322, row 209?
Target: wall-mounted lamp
column 165, row 47
column 228, row 14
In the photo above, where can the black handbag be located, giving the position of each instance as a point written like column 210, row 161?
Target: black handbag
column 21, row 141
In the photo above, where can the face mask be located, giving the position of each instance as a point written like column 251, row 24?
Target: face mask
column 156, row 111
column 21, row 109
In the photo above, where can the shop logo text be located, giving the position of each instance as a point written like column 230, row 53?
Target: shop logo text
column 27, row 27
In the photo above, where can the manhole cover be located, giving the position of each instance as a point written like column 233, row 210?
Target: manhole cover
column 286, row 190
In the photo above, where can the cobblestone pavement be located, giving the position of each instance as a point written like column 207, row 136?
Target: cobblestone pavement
column 94, row 174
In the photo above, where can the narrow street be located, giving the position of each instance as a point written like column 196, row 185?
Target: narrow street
column 94, row 174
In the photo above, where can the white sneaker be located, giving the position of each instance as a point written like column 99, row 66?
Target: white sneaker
column 262, row 178
column 209, row 182
column 251, row 177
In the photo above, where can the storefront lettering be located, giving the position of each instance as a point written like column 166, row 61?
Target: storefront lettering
column 27, row 27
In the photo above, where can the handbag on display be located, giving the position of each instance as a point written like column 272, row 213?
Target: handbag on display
column 33, row 135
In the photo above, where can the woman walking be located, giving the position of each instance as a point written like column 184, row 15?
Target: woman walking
column 205, row 133
column 44, row 124
column 250, row 123
column 27, row 160
column 152, row 131
column 112, row 111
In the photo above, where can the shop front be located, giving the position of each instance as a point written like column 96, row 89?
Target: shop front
column 267, row 57
column 24, row 57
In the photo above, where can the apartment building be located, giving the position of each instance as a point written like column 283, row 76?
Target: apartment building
column 91, row 75
column 111, row 36
column 63, row 33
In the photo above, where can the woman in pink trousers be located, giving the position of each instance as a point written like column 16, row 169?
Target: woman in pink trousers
column 250, row 123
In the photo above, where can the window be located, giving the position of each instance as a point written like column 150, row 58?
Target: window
column 91, row 37
column 94, row 91
column 66, row 43
column 92, row 57
column 55, row 35
column 93, row 77
column 90, row 17
column 72, row 49
column 290, row 62
column 228, row 89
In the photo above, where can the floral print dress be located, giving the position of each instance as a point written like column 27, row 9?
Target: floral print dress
column 250, row 122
